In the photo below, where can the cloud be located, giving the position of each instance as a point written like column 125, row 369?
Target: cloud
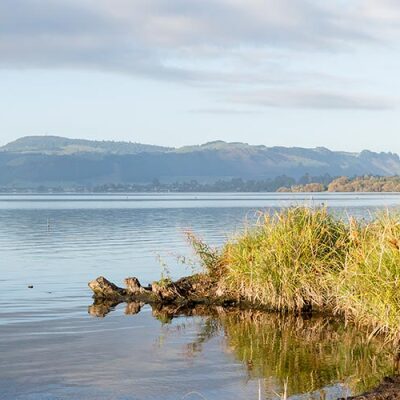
column 197, row 42
column 313, row 99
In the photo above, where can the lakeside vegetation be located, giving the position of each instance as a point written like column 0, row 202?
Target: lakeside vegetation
column 306, row 183
column 303, row 259
column 226, row 185
column 346, row 184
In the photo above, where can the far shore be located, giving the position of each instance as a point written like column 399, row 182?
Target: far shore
column 282, row 184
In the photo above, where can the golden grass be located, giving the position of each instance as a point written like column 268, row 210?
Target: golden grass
column 304, row 258
column 368, row 287
column 283, row 261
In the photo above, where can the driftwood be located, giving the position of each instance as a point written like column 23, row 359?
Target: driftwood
column 189, row 296
column 187, row 291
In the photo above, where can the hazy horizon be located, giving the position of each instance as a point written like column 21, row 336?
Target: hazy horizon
column 308, row 74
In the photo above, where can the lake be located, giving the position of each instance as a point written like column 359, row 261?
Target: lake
column 53, row 346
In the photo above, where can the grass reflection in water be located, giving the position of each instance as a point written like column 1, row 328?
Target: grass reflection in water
column 289, row 353
column 306, row 354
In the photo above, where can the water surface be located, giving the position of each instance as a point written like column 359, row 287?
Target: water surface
column 52, row 348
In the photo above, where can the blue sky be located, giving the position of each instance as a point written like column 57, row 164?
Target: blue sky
column 174, row 72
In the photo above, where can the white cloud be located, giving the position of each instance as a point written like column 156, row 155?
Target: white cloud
column 204, row 42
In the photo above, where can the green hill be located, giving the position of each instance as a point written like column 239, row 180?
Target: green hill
column 62, row 146
column 52, row 160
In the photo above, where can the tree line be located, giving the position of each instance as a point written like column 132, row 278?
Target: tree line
column 306, row 183
column 346, row 184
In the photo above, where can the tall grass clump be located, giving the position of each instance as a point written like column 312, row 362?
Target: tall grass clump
column 368, row 288
column 304, row 258
column 285, row 260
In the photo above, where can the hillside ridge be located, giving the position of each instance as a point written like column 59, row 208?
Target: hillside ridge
column 54, row 160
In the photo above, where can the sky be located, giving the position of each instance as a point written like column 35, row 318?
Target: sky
column 175, row 72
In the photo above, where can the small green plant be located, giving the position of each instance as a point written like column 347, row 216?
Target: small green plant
column 210, row 257
column 165, row 279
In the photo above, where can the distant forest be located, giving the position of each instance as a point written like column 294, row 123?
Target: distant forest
column 306, row 183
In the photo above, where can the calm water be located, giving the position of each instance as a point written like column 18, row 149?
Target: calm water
column 52, row 348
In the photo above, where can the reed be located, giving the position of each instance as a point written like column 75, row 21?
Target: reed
column 303, row 258
column 283, row 261
column 368, row 287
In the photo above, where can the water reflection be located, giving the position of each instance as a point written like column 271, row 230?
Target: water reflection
column 50, row 349
column 317, row 356
column 307, row 354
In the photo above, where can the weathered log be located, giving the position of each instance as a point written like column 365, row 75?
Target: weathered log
column 195, row 289
column 103, row 288
column 133, row 287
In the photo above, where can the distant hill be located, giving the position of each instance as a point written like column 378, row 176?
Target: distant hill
column 57, row 145
column 55, row 161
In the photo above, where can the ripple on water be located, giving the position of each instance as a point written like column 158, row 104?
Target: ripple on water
column 51, row 348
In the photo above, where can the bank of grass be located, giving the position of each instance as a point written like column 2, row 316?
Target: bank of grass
column 303, row 258
column 368, row 287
